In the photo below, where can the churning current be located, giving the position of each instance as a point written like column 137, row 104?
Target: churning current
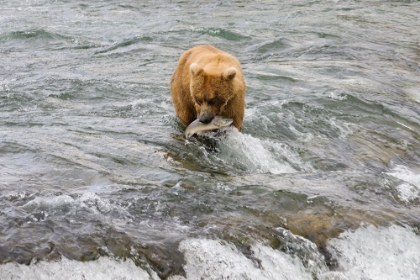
column 97, row 180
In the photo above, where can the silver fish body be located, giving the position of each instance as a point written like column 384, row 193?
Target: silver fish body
column 197, row 126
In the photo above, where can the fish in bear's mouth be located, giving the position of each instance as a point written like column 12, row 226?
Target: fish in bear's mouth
column 197, row 126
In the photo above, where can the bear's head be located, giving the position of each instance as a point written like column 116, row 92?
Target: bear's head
column 211, row 90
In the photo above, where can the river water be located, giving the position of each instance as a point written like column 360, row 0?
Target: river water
column 98, row 181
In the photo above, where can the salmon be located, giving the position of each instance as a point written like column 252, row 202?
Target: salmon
column 197, row 126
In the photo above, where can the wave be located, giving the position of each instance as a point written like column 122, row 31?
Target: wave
column 103, row 268
column 376, row 253
column 221, row 33
column 251, row 154
column 408, row 191
column 367, row 253
column 122, row 46
column 41, row 38
column 29, row 34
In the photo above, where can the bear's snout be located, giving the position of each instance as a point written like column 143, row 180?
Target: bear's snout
column 206, row 117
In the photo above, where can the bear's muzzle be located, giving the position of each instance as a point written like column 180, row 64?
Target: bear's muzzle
column 206, row 115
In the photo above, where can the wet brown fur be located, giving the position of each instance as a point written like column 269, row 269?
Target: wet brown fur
column 208, row 82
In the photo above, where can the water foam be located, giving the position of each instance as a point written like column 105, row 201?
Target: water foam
column 409, row 190
column 213, row 259
column 103, row 268
column 255, row 155
column 366, row 253
column 344, row 128
column 376, row 253
column 86, row 200
column 338, row 96
column 404, row 173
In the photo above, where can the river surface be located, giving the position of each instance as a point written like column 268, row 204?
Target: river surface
column 97, row 180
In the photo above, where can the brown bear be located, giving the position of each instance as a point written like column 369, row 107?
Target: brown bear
column 208, row 82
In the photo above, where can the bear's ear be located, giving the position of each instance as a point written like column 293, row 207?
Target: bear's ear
column 196, row 69
column 229, row 74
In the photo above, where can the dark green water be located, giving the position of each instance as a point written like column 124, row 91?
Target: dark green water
column 93, row 161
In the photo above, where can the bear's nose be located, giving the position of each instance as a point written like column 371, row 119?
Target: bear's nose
column 206, row 118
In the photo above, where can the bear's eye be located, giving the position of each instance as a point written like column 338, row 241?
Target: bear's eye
column 198, row 101
column 212, row 102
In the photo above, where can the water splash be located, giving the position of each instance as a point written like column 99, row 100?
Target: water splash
column 214, row 259
column 404, row 173
column 376, row 253
column 254, row 155
column 367, row 253
column 103, row 268
column 409, row 190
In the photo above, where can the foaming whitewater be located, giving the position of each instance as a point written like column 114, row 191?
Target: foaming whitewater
column 404, row 173
column 367, row 253
column 87, row 200
column 215, row 259
column 101, row 269
column 377, row 253
column 256, row 155
column 409, row 189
